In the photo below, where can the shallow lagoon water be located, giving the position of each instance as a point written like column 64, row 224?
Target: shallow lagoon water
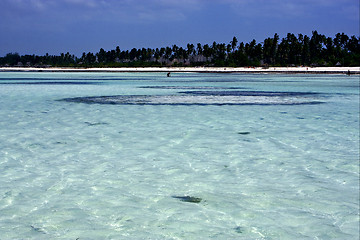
column 254, row 168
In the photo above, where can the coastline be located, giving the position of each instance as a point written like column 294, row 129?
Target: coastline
column 270, row 70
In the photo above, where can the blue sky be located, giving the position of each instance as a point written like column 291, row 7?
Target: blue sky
column 56, row 26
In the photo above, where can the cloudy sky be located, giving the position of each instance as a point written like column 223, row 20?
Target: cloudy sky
column 56, row 26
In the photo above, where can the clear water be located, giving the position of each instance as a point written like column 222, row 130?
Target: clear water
column 263, row 167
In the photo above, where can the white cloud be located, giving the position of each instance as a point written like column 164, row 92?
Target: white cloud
column 281, row 8
column 167, row 10
column 26, row 4
column 140, row 10
column 114, row 10
column 38, row 4
column 86, row 3
column 184, row 4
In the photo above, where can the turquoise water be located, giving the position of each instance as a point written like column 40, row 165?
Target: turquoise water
column 193, row 156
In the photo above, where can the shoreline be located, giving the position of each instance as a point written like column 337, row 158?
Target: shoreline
column 272, row 70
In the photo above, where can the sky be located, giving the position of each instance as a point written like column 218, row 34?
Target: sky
column 77, row 26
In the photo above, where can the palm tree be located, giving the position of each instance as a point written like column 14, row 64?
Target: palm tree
column 316, row 47
column 228, row 49
column 268, row 42
column 168, row 53
column 190, row 49
column 234, row 43
column 199, row 49
column 305, row 51
column 207, row 51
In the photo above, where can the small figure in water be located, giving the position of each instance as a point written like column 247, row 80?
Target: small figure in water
column 168, row 74
column 348, row 73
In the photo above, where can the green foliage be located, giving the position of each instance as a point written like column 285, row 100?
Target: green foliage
column 10, row 59
column 316, row 50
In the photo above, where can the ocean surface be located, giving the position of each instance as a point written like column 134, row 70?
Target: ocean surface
column 192, row 156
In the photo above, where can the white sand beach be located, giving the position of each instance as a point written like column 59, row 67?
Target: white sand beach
column 303, row 70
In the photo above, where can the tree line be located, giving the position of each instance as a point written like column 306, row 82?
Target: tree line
column 292, row 50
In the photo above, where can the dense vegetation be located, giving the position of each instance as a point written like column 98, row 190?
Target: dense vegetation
column 317, row 50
